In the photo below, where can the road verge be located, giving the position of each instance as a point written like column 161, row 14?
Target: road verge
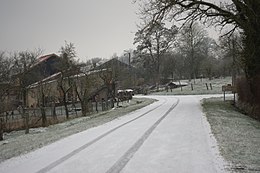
column 237, row 135
column 17, row 143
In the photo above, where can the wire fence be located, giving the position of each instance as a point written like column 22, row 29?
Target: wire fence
column 15, row 119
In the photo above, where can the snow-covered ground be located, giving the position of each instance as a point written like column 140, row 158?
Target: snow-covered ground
column 170, row 135
column 199, row 87
column 17, row 143
column 238, row 135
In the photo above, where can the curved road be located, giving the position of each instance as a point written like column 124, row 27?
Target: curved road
column 170, row 135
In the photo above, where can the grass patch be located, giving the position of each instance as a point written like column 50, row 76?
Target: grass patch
column 238, row 135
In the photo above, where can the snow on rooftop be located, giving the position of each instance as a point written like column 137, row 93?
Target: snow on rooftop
column 44, row 58
column 179, row 83
column 49, row 79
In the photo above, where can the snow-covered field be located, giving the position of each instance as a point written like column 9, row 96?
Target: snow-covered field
column 237, row 134
column 199, row 87
column 17, row 143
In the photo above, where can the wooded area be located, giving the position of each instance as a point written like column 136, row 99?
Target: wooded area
column 240, row 18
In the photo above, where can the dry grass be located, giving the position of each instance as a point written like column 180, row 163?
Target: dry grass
column 237, row 134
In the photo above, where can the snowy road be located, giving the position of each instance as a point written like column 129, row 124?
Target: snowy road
column 168, row 136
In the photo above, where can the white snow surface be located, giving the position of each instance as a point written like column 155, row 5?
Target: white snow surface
column 171, row 135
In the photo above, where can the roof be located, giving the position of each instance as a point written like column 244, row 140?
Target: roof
column 112, row 62
column 44, row 58
column 129, row 90
column 49, row 79
column 178, row 83
column 55, row 76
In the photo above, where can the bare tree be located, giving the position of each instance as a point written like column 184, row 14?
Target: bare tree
column 5, row 77
column 68, row 55
column 106, row 76
column 5, row 86
column 81, row 87
column 43, row 91
column 155, row 40
column 68, row 68
column 65, row 85
column 168, row 66
column 5, row 67
column 241, row 15
column 232, row 51
column 191, row 41
column 23, row 61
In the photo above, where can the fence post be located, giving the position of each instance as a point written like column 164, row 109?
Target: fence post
column 102, row 104
column 96, row 106
column 180, row 84
column 26, row 119
column 1, row 129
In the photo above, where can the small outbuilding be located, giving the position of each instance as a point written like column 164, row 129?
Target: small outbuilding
column 173, row 85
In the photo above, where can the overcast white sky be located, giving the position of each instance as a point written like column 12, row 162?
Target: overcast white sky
column 98, row 28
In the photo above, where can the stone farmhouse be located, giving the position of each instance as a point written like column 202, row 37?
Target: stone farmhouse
column 45, row 79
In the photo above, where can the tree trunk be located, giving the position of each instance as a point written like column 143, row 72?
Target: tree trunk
column 64, row 99
column 24, row 113
column 84, row 107
column 1, row 129
column 66, row 109
column 44, row 118
column 54, row 112
column 26, row 123
column 65, row 103
column 252, row 62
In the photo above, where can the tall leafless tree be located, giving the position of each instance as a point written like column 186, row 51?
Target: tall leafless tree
column 67, row 68
column 241, row 15
column 232, row 51
column 23, row 61
column 155, row 39
column 191, row 42
column 5, row 77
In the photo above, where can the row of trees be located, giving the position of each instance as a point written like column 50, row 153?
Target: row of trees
column 237, row 16
column 187, row 52
column 17, row 74
column 15, row 66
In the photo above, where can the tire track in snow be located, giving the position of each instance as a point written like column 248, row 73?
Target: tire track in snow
column 76, row 151
column 121, row 163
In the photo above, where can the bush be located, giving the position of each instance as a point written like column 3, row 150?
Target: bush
column 248, row 102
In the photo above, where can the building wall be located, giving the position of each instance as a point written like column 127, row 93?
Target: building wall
column 90, row 85
column 50, row 90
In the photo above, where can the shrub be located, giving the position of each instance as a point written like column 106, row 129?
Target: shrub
column 246, row 101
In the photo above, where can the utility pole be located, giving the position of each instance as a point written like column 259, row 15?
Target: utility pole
column 233, row 60
column 129, row 67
